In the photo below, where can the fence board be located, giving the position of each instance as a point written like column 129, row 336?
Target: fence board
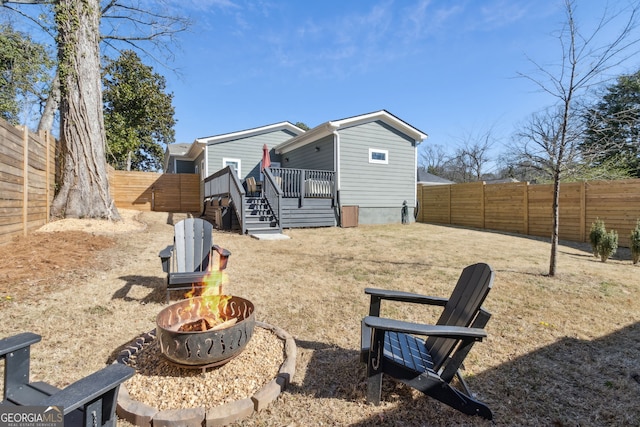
column 27, row 180
column 527, row 209
column 148, row 191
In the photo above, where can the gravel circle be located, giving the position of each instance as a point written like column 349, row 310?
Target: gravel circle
column 163, row 385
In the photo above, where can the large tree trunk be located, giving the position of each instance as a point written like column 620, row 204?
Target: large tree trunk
column 84, row 192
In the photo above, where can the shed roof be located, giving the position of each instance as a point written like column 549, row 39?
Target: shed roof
column 329, row 127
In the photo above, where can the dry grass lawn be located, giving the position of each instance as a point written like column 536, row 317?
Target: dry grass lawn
column 560, row 351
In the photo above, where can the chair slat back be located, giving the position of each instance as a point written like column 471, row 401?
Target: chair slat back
column 463, row 306
column 192, row 243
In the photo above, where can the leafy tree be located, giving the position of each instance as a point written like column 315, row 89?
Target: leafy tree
column 138, row 114
column 24, row 67
column 302, row 126
column 613, row 125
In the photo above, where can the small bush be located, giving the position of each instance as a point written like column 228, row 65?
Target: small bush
column 595, row 236
column 635, row 243
column 608, row 245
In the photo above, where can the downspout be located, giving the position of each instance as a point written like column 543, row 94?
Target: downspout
column 336, row 143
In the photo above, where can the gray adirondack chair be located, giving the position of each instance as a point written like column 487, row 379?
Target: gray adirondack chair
column 90, row 401
column 187, row 261
column 396, row 348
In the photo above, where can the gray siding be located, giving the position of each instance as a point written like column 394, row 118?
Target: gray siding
column 377, row 186
column 306, row 157
column 248, row 150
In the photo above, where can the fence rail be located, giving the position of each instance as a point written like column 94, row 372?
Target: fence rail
column 526, row 209
column 27, row 180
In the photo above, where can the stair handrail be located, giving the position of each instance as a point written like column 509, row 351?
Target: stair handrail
column 272, row 193
column 225, row 182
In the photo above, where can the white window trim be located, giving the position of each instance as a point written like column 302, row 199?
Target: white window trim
column 202, row 172
column 381, row 162
column 226, row 160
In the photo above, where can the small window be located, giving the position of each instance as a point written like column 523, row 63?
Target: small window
column 378, row 156
column 202, row 171
column 234, row 163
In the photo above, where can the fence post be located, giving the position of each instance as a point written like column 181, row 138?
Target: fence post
column 525, row 201
column 583, row 211
column 25, row 179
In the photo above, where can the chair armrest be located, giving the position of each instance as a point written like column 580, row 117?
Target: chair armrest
column 405, row 296
column 165, row 256
column 18, row 342
column 224, row 256
column 89, row 388
column 455, row 332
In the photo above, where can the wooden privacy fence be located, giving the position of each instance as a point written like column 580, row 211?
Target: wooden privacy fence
column 527, row 209
column 149, row 191
column 27, row 180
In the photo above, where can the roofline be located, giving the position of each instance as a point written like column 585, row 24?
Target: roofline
column 328, row 128
column 217, row 139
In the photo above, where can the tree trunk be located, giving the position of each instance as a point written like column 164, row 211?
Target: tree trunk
column 553, row 262
column 51, row 106
column 84, row 192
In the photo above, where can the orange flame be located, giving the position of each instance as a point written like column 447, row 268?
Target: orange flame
column 213, row 302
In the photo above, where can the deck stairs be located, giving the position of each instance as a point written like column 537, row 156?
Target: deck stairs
column 259, row 217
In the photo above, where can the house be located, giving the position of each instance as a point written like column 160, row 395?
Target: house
column 364, row 165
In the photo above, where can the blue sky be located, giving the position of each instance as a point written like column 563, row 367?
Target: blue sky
column 447, row 67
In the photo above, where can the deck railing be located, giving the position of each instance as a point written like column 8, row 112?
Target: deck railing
column 225, row 182
column 273, row 194
column 305, row 183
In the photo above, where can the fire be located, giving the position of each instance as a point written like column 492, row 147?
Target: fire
column 213, row 281
column 209, row 311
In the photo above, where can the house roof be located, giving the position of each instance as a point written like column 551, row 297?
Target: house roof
column 328, row 128
column 218, row 139
column 427, row 178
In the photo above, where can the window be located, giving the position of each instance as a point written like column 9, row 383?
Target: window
column 234, row 163
column 202, row 171
column 378, row 156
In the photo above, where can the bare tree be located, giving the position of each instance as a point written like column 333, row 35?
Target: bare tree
column 584, row 62
column 433, row 159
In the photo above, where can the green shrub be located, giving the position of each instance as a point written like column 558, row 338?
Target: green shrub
column 596, row 234
column 608, row 245
column 635, row 243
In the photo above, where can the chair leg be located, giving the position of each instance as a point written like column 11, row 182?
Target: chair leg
column 374, row 389
column 448, row 395
column 374, row 367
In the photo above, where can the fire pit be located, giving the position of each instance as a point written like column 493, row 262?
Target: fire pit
column 205, row 331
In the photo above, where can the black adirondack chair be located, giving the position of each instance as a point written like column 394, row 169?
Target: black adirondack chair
column 187, row 261
column 90, row 401
column 396, row 348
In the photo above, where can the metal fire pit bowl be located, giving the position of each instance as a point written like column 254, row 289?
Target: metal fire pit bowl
column 204, row 348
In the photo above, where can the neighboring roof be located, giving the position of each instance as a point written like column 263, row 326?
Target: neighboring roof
column 427, row 178
column 217, row 139
column 328, row 128
column 500, row 181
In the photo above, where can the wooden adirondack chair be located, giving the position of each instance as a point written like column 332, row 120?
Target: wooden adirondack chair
column 188, row 260
column 395, row 348
column 90, row 401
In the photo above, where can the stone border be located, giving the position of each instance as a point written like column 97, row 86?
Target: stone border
column 143, row 415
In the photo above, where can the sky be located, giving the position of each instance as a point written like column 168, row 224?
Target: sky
column 447, row 67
